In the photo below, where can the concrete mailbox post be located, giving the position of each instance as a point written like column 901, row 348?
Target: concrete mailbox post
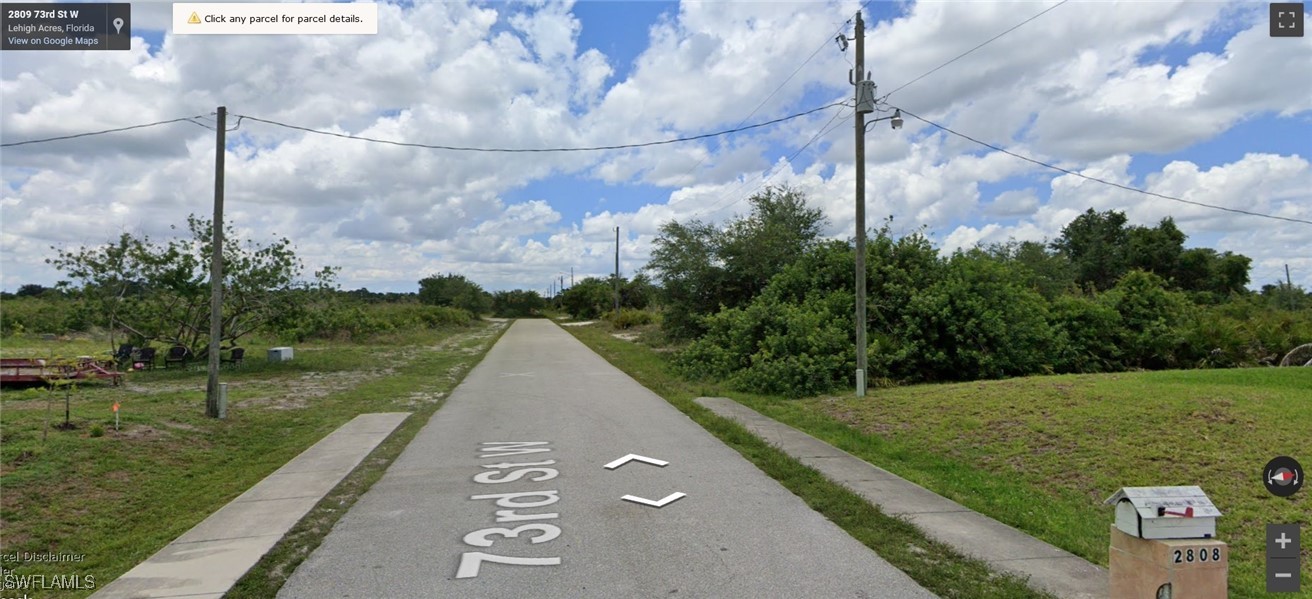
column 1163, row 545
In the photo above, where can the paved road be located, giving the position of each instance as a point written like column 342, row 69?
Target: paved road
column 454, row 503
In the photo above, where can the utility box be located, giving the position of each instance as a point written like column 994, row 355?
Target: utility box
column 1163, row 545
column 1165, row 512
column 280, row 354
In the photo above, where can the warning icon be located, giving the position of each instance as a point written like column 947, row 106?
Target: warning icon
column 195, row 19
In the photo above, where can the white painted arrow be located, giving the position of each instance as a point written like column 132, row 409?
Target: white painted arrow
column 633, row 456
column 671, row 498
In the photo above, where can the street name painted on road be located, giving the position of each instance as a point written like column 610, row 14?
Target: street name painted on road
column 472, row 561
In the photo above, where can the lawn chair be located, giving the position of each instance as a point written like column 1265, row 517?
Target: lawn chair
column 177, row 355
column 146, row 356
column 234, row 357
column 124, row 354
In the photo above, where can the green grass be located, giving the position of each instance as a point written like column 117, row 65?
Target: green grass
column 118, row 498
column 1042, row 453
column 937, row 567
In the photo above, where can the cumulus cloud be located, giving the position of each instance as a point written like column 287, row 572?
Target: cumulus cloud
column 1075, row 88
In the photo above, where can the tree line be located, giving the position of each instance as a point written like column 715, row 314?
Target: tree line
column 147, row 292
column 767, row 304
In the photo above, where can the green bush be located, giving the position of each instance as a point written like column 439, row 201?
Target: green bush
column 343, row 319
column 1153, row 320
column 629, row 317
column 517, row 304
column 977, row 321
column 1086, row 335
column 44, row 314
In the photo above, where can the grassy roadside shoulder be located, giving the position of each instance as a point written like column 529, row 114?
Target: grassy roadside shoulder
column 114, row 497
column 934, row 565
column 272, row 571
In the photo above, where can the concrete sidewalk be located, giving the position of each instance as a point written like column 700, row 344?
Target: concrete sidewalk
column 1004, row 548
column 207, row 560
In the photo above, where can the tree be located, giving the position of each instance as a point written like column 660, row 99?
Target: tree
column 1156, row 250
column 780, row 228
column 33, row 290
column 517, row 303
column 588, row 298
column 685, row 260
column 157, row 291
column 455, row 291
column 1044, row 271
column 701, row 268
column 1094, row 242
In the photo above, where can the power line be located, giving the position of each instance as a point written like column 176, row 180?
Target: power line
column 799, row 68
column 823, row 131
column 1103, row 181
column 63, row 137
column 963, row 54
column 545, row 150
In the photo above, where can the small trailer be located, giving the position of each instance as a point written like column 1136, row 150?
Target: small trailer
column 38, row 371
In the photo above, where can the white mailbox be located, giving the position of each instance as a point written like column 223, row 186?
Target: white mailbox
column 280, row 354
column 1165, row 512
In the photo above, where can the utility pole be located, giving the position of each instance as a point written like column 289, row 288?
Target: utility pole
column 617, row 270
column 860, row 211
column 1289, row 287
column 571, row 276
column 216, row 270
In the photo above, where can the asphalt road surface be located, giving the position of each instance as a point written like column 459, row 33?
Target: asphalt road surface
column 505, row 493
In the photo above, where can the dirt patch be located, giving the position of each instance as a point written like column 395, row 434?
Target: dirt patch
column 419, row 398
column 625, row 336
column 136, row 433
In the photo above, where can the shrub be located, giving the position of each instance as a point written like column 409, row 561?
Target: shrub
column 1151, row 321
column 977, row 321
column 629, row 317
column 1086, row 335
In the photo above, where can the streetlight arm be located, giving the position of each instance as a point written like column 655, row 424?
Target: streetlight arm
column 896, row 118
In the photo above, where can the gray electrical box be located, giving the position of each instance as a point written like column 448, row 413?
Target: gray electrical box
column 280, row 354
column 865, row 97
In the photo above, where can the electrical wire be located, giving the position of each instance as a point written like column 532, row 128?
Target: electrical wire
column 546, row 150
column 963, row 54
column 799, row 68
column 129, row 128
column 1097, row 180
column 823, row 131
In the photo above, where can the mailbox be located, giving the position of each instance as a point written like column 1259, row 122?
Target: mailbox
column 1165, row 512
column 1163, row 545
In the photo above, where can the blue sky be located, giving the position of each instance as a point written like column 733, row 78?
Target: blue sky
column 1191, row 100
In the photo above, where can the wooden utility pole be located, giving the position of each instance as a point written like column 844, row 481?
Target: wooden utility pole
column 860, row 212
column 617, row 271
column 1289, row 287
column 216, row 270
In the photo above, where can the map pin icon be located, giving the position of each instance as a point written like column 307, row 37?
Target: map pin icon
column 118, row 26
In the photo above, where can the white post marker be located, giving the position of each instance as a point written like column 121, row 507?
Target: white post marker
column 116, row 415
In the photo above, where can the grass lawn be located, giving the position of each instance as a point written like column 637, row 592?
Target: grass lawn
column 118, row 497
column 1042, row 453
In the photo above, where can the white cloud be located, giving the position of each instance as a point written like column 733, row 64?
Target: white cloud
column 1072, row 88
